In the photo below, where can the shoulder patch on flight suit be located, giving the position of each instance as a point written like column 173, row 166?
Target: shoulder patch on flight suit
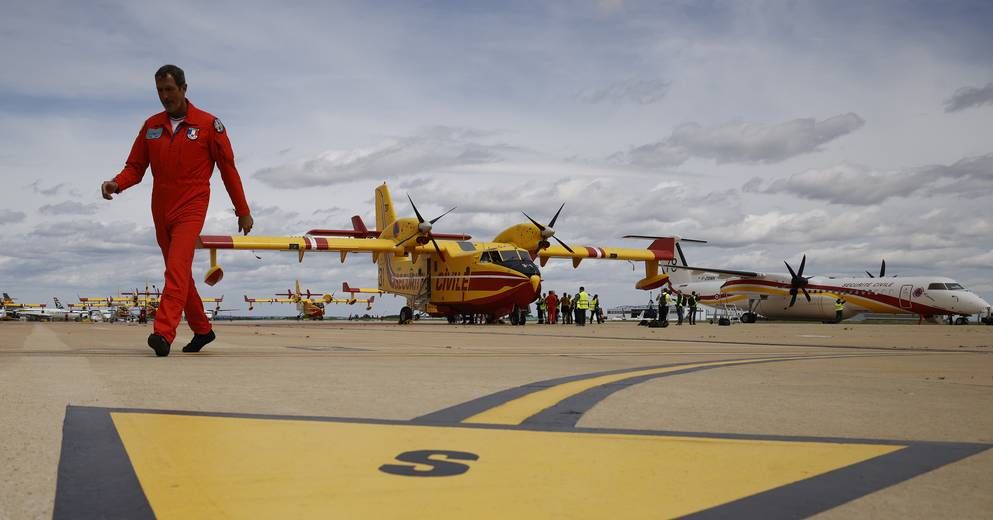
column 218, row 126
column 153, row 133
column 192, row 133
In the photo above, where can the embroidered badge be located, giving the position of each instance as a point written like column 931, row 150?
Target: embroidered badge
column 153, row 133
column 218, row 126
column 192, row 133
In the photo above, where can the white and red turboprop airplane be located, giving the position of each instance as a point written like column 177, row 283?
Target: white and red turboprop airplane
column 793, row 296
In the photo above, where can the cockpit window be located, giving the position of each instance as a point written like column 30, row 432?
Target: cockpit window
column 485, row 257
column 936, row 287
column 509, row 256
column 955, row 287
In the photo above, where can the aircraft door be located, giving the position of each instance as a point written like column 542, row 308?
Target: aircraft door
column 465, row 282
column 905, row 292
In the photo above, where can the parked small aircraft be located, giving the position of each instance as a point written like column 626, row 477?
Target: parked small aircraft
column 445, row 274
column 49, row 314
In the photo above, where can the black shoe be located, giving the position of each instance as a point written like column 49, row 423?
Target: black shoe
column 199, row 341
column 158, row 344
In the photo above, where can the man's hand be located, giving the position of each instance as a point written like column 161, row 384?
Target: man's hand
column 109, row 188
column 245, row 223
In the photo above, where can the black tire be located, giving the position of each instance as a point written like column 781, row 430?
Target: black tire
column 724, row 322
column 961, row 320
column 748, row 318
column 406, row 315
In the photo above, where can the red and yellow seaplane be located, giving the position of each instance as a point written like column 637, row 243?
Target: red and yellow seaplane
column 309, row 305
column 448, row 274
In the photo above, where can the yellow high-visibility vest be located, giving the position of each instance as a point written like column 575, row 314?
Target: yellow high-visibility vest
column 839, row 306
column 583, row 300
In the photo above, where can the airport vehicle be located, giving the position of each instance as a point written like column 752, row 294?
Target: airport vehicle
column 445, row 274
column 775, row 295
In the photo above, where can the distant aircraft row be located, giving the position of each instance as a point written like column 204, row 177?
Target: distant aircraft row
column 449, row 275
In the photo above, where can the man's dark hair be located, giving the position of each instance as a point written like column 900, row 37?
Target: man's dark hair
column 171, row 70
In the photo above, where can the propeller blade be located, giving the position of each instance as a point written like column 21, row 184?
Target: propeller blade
column 551, row 224
column 792, row 272
column 418, row 213
column 408, row 238
column 436, row 219
column 802, row 263
column 792, row 298
column 882, row 269
column 438, row 249
column 805, row 293
column 535, row 222
column 567, row 248
column 870, row 274
column 679, row 250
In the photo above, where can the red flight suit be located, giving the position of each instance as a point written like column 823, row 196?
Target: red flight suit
column 552, row 308
column 182, row 163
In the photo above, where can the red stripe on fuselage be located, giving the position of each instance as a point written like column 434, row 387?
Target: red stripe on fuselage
column 216, row 241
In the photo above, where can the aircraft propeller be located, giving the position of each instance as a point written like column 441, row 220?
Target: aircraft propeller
column 423, row 232
column 798, row 281
column 547, row 231
column 882, row 270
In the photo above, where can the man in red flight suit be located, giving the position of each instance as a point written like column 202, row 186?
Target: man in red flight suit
column 181, row 144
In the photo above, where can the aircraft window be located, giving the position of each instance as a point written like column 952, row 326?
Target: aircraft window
column 936, row 287
column 955, row 287
column 467, row 246
column 485, row 258
column 507, row 256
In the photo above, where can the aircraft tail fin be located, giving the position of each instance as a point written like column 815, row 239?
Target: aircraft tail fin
column 358, row 225
column 58, row 304
column 385, row 214
column 345, row 287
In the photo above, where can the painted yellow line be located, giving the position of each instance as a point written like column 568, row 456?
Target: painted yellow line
column 518, row 410
column 222, row 467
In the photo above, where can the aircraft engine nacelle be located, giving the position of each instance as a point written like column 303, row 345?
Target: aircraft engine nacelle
column 524, row 235
column 653, row 278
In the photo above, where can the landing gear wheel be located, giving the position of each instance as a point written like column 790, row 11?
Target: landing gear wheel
column 452, row 318
column 406, row 315
column 513, row 317
column 748, row 317
column 961, row 320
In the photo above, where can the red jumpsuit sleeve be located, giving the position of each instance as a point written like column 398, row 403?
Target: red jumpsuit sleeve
column 137, row 163
column 223, row 155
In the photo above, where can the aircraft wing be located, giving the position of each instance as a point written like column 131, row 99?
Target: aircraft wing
column 270, row 300
column 746, row 274
column 299, row 243
column 579, row 253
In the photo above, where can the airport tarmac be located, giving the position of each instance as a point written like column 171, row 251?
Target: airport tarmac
column 375, row 420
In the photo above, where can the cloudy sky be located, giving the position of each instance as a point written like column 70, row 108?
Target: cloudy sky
column 846, row 131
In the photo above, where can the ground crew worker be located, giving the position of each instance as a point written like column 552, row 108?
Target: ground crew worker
column 541, row 309
column 566, row 309
column 839, row 309
column 692, row 301
column 582, row 304
column 680, row 301
column 181, row 144
column 665, row 300
column 595, row 316
column 552, row 303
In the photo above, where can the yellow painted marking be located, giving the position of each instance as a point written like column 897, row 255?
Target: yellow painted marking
column 219, row 467
column 518, row 410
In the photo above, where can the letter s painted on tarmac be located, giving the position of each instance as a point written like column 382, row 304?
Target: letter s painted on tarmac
column 439, row 468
